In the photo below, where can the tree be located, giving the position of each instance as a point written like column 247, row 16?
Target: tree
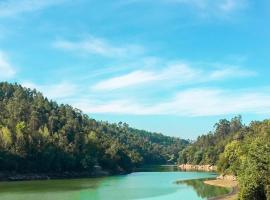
column 5, row 138
column 255, row 170
column 230, row 160
column 39, row 135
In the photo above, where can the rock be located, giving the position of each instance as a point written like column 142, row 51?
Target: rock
column 227, row 177
column 198, row 167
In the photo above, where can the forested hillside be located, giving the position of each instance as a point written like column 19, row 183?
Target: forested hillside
column 237, row 149
column 207, row 148
column 38, row 135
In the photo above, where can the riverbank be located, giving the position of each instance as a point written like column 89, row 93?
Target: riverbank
column 138, row 185
column 9, row 176
column 96, row 172
column 233, row 184
column 227, row 181
column 189, row 167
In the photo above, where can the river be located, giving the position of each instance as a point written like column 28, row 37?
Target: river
column 151, row 183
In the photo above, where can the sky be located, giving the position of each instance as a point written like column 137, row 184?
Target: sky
column 170, row 66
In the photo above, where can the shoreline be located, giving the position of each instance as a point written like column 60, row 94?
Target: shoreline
column 232, row 184
column 12, row 177
column 227, row 181
column 189, row 167
column 96, row 173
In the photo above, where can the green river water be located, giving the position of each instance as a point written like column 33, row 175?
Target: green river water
column 162, row 183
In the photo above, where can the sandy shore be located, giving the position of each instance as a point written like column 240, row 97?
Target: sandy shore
column 225, row 183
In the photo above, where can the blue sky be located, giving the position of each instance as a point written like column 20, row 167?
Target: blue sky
column 171, row 66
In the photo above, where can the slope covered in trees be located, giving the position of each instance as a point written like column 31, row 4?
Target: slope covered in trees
column 38, row 135
column 207, row 148
column 237, row 149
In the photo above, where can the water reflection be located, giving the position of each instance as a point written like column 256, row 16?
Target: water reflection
column 150, row 183
column 49, row 185
column 204, row 190
column 158, row 168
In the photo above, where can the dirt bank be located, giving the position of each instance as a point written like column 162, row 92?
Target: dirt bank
column 233, row 184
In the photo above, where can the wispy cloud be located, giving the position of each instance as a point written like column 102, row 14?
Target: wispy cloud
column 54, row 91
column 231, row 5
column 113, row 107
column 177, row 73
column 191, row 102
column 10, row 8
column 98, row 46
column 204, row 8
column 131, row 79
column 230, row 72
column 214, row 6
column 210, row 102
column 219, row 5
column 6, row 68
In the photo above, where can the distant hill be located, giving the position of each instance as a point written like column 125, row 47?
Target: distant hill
column 38, row 135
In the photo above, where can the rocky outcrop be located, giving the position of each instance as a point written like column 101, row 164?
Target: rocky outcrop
column 227, row 177
column 198, row 167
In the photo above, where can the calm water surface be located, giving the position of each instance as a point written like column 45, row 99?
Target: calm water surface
column 163, row 183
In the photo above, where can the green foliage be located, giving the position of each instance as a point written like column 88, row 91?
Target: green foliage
column 230, row 160
column 239, row 150
column 5, row 138
column 249, row 159
column 38, row 135
column 254, row 169
column 207, row 148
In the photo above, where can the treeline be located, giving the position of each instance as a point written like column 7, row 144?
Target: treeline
column 236, row 149
column 207, row 148
column 38, row 135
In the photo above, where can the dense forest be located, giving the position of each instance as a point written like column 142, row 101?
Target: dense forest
column 243, row 151
column 39, row 136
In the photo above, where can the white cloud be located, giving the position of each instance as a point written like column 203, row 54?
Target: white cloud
column 210, row 102
column 133, row 78
column 203, row 8
column 98, row 46
column 192, row 102
column 230, row 5
column 11, row 8
column 230, row 72
column 216, row 6
column 177, row 73
column 54, row 91
column 115, row 107
column 6, row 69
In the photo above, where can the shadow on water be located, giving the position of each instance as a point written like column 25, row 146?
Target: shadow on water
column 204, row 190
column 158, row 168
column 49, row 185
column 151, row 182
